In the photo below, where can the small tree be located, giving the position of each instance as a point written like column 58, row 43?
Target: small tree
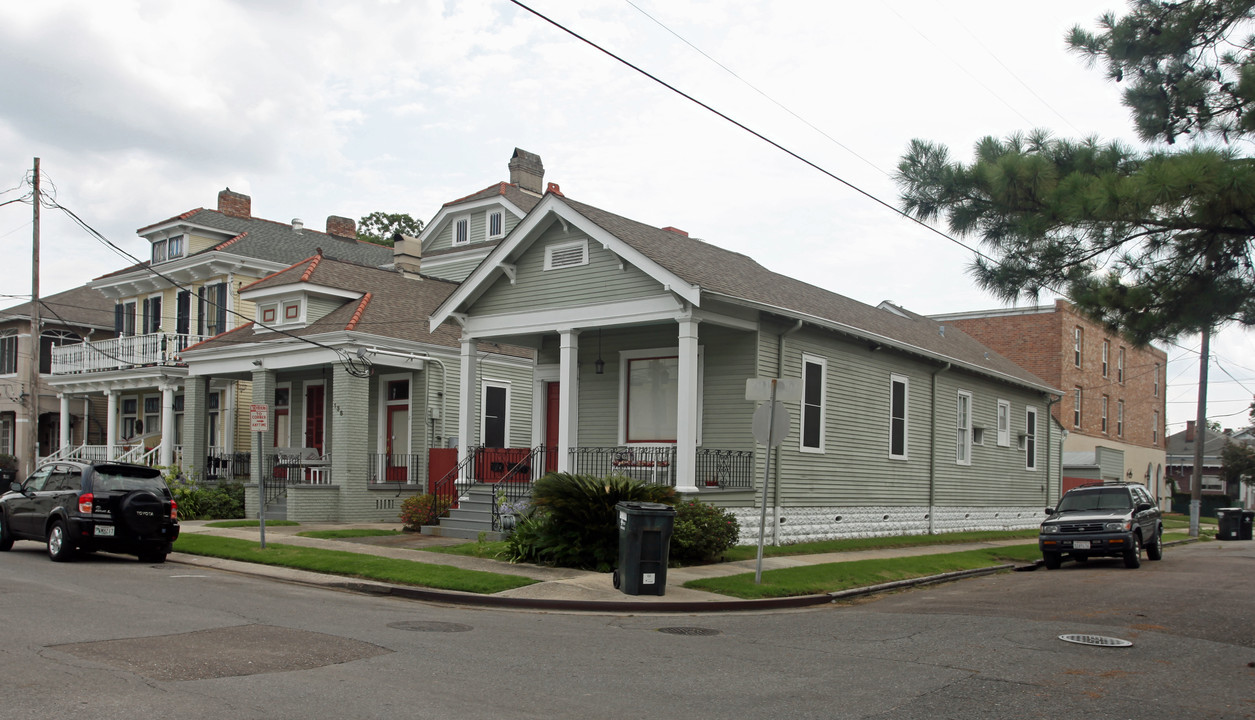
column 1238, row 463
column 379, row 227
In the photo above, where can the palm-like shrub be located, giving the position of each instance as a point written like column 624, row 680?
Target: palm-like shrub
column 573, row 521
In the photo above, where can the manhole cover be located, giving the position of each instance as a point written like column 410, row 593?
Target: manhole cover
column 429, row 626
column 1096, row 640
column 688, row 631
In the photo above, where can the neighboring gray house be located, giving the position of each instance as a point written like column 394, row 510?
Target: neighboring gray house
column 1216, row 491
column 359, row 392
column 644, row 341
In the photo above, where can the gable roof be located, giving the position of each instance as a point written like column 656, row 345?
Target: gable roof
column 712, row 271
column 506, row 194
column 81, row 306
column 269, row 240
column 387, row 304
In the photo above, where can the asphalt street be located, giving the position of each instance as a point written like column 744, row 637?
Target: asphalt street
column 107, row 637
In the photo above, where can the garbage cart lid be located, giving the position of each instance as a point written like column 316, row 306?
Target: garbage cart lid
column 644, row 507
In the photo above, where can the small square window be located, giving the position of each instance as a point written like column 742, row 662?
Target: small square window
column 268, row 314
column 291, row 311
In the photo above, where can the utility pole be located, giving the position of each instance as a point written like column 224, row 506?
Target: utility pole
column 32, row 430
column 1200, row 433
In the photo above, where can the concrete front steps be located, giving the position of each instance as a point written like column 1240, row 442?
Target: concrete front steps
column 471, row 518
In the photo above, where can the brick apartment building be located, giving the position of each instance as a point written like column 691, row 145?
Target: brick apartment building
column 1114, row 390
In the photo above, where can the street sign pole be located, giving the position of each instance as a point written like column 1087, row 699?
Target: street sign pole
column 259, row 419
column 762, row 518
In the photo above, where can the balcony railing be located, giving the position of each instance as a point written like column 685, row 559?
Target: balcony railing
column 120, row 353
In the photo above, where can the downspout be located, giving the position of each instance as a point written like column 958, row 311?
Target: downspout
column 775, row 480
column 932, row 454
column 1051, row 401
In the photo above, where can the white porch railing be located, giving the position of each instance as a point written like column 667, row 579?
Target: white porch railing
column 137, row 454
column 122, row 352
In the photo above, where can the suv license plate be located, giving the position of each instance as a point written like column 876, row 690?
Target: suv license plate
column 104, row 531
column 1077, row 545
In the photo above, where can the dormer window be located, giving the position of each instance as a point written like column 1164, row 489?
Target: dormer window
column 461, row 231
column 159, row 251
column 496, row 224
column 285, row 312
column 174, row 247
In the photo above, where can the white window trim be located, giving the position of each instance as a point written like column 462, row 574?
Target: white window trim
column 556, row 248
column 967, row 446
column 159, row 257
column 453, row 230
column 384, row 406
column 1106, row 357
column 1030, row 458
column 483, row 395
column 1120, row 365
column 488, row 224
column 906, row 417
column 1004, row 433
column 823, row 406
column 674, row 351
column 1078, row 397
column 284, row 442
column 181, row 241
column 1119, row 418
column 4, row 335
column 1104, row 423
column 1078, row 342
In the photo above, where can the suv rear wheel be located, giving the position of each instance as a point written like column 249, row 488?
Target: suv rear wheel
column 1154, row 549
column 1133, row 556
column 6, row 540
column 59, row 547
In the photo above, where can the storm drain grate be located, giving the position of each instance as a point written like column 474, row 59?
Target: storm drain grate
column 694, row 631
column 430, row 626
column 1096, row 640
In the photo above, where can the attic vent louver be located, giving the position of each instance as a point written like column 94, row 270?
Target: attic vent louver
column 565, row 255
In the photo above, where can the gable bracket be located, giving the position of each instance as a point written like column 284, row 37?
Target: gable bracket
column 509, row 269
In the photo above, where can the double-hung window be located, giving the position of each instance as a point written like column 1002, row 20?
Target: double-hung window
column 1076, row 407
column 814, row 394
column 1103, row 410
column 8, row 352
column 1030, row 438
column 1119, row 418
column 899, row 397
column 1078, row 337
column 1120, row 366
column 963, row 429
column 1004, row 423
column 1106, row 354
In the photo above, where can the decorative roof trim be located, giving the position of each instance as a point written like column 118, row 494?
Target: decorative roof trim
column 357, row 314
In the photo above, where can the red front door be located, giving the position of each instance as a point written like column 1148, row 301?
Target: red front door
column 314, row 417
column 551, row 426
column 398, row 443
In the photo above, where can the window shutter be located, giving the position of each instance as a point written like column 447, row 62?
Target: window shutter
column 117, row 319
column 222, row 306
column 183, row 307
column 200, row 310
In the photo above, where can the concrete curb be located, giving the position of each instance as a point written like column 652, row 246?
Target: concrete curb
column 451, row 597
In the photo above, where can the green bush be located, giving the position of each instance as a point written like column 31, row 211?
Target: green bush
column 573, row 521
column 702, row 532
column 221, row 501
column 425, row 509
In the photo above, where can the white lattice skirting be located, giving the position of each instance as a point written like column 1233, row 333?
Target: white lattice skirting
column 803, row 524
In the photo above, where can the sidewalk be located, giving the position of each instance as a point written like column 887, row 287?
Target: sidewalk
column 555, row 589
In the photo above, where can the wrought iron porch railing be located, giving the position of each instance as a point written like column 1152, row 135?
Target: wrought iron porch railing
column 652, row 464
column 222, row 465
column 730, row 469
column 122, row 352
column 395, row 469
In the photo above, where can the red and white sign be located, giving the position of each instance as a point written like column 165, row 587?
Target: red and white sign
column 259, row 418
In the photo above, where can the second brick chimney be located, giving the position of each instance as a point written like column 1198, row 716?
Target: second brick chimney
column 235, row 204
column 527, row 171
column 1190, row 431
column 341, row 227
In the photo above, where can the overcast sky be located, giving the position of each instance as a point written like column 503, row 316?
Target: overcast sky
column 142, row 110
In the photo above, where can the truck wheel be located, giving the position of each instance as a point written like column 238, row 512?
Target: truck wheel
column 1133, row 556
column 1154, row 549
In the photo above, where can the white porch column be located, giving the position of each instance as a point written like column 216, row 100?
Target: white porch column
column 467, row 388
column 111, row 425
column 167, row 426
column 568, row 397
column 65, row 423
column 686, row 409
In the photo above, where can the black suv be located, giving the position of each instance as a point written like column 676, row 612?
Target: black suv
column 1107, row 520
column 115, row 507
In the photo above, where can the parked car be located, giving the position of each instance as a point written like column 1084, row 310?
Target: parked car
column 73, row 506
column 1105, row 520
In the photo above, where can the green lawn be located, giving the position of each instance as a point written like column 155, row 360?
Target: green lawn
column 831, row 577
column 352, row 533
column 750, row 552
column 250, row 523
column 348, row 564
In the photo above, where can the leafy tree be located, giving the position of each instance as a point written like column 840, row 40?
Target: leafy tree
column 379, row 227
column 1152, row 243
column 1188, row 65
column 1238, row 463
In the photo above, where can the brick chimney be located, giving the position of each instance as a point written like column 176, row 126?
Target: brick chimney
column 1190, row 431
column 527, row 171
column 407, row 254
column 235, row 204
column 341, row 227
